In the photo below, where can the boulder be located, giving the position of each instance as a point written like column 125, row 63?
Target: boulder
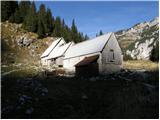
column 24, row 40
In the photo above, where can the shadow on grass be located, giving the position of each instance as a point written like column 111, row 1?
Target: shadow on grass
column 127, row 94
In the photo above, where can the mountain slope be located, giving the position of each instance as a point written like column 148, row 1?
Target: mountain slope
column 20, row 46
column 142, row 48
column 138, row 41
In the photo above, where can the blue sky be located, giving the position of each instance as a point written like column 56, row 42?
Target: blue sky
column 91, row 17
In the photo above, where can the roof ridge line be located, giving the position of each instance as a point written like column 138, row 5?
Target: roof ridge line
column 92, row 39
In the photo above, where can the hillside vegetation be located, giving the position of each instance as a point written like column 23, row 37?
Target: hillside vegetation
column 20, row 46
column 40, row 21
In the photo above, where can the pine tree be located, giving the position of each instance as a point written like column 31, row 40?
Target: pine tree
column 11, row 18
column 79, row 37
column 30, row 21
column 57, row 27
column 100, row 33
column 40, row 32
column 23, row 9
column 64, row 31
column 7, row 9
column 67, row 34
column 20, row 12
column 86, row 37
column 42, row 21
column 16, row 17
column 74, row 32
column 49, row 21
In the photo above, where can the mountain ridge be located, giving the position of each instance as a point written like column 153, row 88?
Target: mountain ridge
column 138, row 41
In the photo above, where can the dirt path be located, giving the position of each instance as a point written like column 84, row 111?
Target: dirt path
column 7, row 73
column 15, row 70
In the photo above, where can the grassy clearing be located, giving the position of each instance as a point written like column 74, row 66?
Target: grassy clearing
column 17, row 72
column 140, row 64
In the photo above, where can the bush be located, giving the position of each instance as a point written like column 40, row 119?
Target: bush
column 155, row 53
column 127, row 57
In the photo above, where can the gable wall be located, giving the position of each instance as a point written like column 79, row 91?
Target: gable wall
column 107, row 66
column 59, row 61
column 44, row 60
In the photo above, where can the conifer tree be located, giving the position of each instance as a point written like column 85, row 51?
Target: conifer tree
column 23, row 9
column 7, row 9
column 20, row 12
column 16, row 17
column 42, row 21
column 74, row 32
column 86, row 37
column 100, row 33
column 30, row 21
column 63, row 29
column 57, row 27
column 49, row 21
column 67, row 34
column 40, row 31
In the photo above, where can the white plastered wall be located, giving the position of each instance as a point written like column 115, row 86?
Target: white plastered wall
column 116, row 65
column 59, row 61
column 68, row 64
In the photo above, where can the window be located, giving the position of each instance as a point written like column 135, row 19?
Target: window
column 111, row 55
column 60, row 65
column 53, row 61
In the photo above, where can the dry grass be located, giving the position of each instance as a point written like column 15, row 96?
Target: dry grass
column 140, row 64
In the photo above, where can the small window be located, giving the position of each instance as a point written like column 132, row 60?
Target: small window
column 53, row 61
column 111, row 55
column 60, row 65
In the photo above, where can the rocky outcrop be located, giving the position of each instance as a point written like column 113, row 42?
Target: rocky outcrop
column 24, row 40
column 142, row 48
column 141, row 51
column 139, row 41
column 20, row 46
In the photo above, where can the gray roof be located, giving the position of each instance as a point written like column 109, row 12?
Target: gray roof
column 88, row 47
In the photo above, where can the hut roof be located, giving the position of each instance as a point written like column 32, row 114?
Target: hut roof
column 50, row 48
column 59, row 51
column 88, row 47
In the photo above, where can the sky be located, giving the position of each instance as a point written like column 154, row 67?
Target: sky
column 91, row 17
